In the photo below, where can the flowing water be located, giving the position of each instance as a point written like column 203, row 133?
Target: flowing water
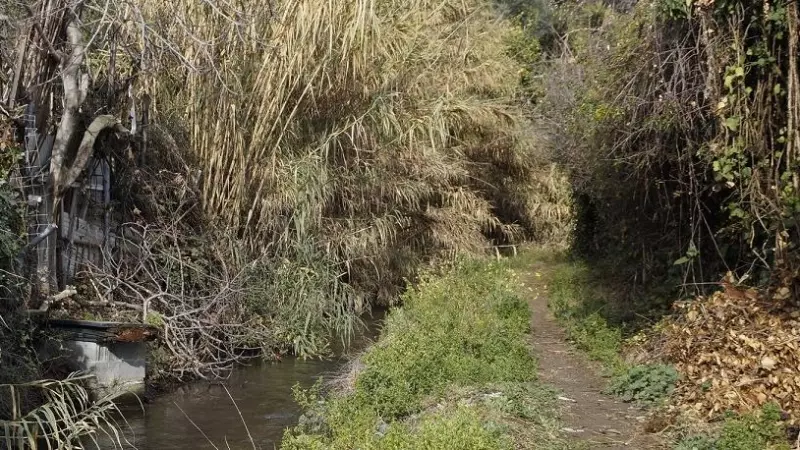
column 262, row 399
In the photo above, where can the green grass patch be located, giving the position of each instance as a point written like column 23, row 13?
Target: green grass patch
column 758, row 430
column 451, row 370
column 578, row 304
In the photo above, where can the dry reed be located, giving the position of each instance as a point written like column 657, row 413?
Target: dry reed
column 377, row 134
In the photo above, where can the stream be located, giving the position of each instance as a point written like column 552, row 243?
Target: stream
column 262, row 393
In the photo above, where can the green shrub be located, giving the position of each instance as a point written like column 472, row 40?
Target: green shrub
column 751, row 431
column 303, row 299
column 647, row 383
column 11, row 228
column 759, row 430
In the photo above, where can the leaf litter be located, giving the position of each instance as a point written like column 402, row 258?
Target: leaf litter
column 736, row 350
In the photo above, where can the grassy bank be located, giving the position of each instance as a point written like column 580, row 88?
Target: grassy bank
column 452, row 369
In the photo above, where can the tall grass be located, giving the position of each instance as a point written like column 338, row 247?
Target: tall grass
column 62, row 414
column 374, row 134
column 335, row 147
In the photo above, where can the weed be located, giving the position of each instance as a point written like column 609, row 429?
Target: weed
column 576, row 304
column 648, row 383
column 462, row 328
column 530, row 401
column 758, row 430
column 696, row 443
column 296, row 295
column 451, row 370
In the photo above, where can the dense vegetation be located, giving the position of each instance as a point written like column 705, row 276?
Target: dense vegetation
column 677, row 124
column 452, row 369
column 279, row 169
column 276, row 170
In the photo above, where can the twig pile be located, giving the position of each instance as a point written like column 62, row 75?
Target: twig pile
column 736, row 350
column 197, row 301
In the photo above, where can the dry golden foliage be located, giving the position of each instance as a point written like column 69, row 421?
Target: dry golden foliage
column 736, row 350
column 380, row 133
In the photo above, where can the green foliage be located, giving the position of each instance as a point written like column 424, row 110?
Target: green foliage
column 751, row 431
column 11, row 231
column 665, row 155
column 460, row 429
column 577, row 302
column 451, row 370
column 538, row 20
column 529, row 401
column 11, row 226
column 675, row 9
column 463, row 328
column 649, row 383
column 303, row 299
column 10, row 153
column 17, row 356
column 600, row 341
column 155, row 319
column 523, row 46
column 700, row 442
column 457, row 429
column 759, row 430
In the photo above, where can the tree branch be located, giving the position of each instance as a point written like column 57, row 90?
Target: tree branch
column 74, row 94
column 86, row 149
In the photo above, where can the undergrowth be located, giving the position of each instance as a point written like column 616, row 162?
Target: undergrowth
column 758, row 430
column 587, row 310
column 645, row 383
column 579, row 306
column 452, row 369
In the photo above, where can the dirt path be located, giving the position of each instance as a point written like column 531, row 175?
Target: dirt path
column 589, row 415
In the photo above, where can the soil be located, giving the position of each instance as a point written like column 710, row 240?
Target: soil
column 588, row 415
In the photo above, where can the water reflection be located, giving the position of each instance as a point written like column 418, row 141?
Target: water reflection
column 262, row 394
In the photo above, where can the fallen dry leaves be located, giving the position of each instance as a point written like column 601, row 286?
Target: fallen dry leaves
column 736, row 351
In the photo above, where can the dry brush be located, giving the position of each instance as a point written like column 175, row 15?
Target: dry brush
column 279, row 167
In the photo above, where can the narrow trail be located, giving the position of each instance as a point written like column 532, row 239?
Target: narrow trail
column 588, row 414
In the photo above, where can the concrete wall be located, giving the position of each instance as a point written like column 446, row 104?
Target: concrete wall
column 118, row 365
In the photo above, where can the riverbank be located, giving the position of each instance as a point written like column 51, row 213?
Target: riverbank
column 511, row 354
column 452, row 369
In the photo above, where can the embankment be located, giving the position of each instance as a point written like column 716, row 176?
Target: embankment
column 452, row 369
